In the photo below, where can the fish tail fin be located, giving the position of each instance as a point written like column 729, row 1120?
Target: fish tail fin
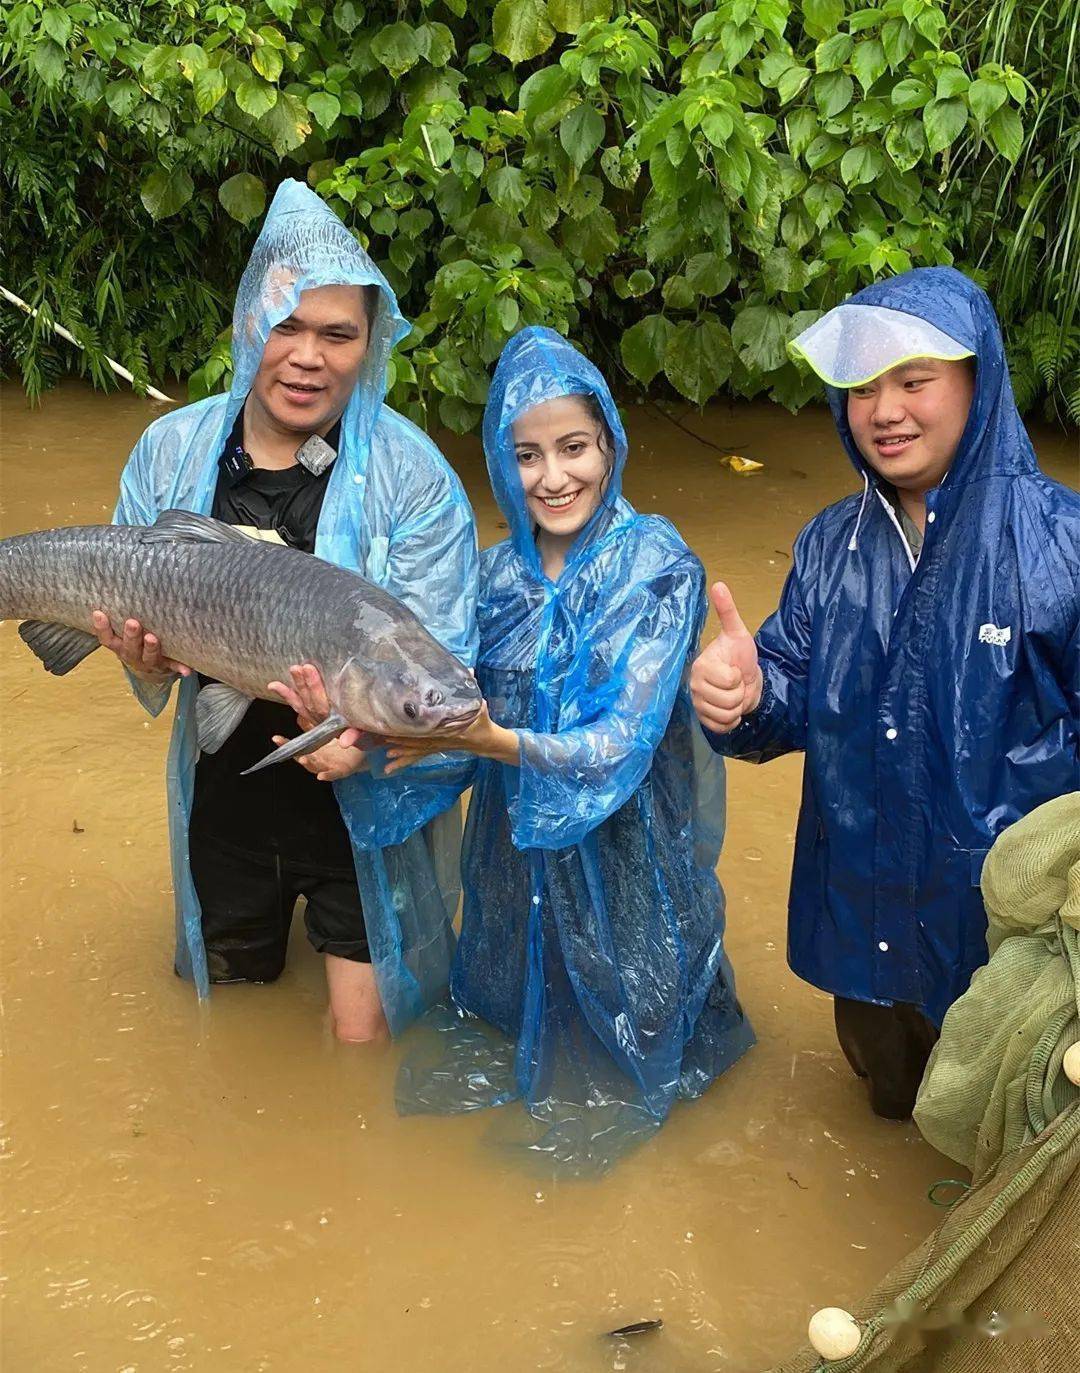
column 59, row 647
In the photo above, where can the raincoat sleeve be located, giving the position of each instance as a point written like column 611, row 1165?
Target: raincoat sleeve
column 137, row 506
column 433, row 567
column 778, row 725
column 620, row 698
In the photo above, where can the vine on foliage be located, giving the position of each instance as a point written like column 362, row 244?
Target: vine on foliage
column 682, row 194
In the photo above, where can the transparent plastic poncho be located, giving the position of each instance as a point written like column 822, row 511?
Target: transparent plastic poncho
column 590, row 978
column 854, row 344
column 395, row 512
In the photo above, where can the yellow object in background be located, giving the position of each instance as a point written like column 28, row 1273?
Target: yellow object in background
column 742, row 467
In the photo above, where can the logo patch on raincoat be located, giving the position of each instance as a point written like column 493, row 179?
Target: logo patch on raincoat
column 990, row 634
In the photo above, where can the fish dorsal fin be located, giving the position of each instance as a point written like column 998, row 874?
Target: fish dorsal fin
column 184, row 526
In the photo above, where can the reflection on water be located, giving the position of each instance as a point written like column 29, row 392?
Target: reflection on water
column 226, row 1188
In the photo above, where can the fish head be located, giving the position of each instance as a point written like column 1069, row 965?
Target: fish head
column 408, row 690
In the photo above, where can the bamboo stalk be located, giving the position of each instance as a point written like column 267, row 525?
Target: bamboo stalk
column 117, row 367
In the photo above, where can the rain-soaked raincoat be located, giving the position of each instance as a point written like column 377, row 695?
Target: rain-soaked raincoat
column 937, row 701
column 395, row 512
column 593, row 920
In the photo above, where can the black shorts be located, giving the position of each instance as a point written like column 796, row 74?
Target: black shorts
column 247, row 907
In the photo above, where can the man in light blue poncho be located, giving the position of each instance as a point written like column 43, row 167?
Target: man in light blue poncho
column 303, row 450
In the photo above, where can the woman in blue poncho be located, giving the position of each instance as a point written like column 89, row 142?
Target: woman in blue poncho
column 593, row 920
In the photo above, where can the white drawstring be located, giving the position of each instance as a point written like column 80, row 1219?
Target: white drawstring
column 854, row 541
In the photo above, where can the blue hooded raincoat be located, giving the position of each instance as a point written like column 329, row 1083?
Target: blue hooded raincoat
column 396, row 513
column 593, row 921
column 937, row 701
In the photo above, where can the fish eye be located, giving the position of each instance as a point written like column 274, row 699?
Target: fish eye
column 410, row 710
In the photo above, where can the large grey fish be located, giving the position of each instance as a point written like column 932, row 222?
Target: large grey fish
column 241, row 611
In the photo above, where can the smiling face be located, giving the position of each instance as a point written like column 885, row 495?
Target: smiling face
column 564, row 460
column 908, row 422
column 312, row 360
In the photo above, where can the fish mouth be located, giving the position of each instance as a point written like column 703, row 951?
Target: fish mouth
column 465, row 717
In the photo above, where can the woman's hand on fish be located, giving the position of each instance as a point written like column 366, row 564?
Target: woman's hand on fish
column 483, row 737
column 726, row 681
column 332, row 761
column 139, row 651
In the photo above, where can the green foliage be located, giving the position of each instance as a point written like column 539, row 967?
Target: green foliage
column 1021, row 229
column 681, row 190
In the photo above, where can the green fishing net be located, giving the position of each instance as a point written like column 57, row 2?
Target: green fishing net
column 996, row 1287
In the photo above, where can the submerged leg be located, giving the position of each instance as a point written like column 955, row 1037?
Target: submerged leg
column 356, row 1013
column 889, row 1046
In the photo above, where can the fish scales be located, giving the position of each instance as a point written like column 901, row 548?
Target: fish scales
column 240, row 612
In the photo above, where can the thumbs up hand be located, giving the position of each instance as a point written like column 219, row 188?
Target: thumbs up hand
column 725, row 681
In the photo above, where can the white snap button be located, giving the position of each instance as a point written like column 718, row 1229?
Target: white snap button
column 883, row 947
column 891, row 733
column 536, row 901
column 931, row 518
column 358, row 479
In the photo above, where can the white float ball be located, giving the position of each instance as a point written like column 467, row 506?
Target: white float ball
column 834, row 1333
column 1071, row 1064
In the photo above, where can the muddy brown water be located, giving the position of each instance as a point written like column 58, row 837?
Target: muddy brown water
column 225, row 1188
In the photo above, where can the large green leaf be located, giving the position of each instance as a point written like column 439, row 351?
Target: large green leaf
column 268, row 62
column 286, row 125
column 57, row 24
column 325, row 107
column 822, row 17
column 581, row 133
column 1006, row 129
column 210, row 87
column 642, row 347
column 868, row 62
column 709, row 273
column 509, row 189
column 570, row 16
column 122, row 96
column 243, row 197
column 782, row 270
column 861, row 164
column 48, row 60
column 163, row 192
column 256, row 97
column 543, row 90
column 521, row 29
column 986, row 98
column 945, row 121
column 396, row 48
column 759, row 334
column 698, row 358
column 833, row 92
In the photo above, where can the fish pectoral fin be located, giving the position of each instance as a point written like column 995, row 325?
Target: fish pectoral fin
column 330, row 728
column 218, row 710
column 59, row 647
column 184, row 526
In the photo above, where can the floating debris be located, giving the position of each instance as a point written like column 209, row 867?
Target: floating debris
column 638, row 1328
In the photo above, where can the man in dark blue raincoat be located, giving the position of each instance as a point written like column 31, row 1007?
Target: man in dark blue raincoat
column 924, row 655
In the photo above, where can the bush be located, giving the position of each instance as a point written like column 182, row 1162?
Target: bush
column 680, row 192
